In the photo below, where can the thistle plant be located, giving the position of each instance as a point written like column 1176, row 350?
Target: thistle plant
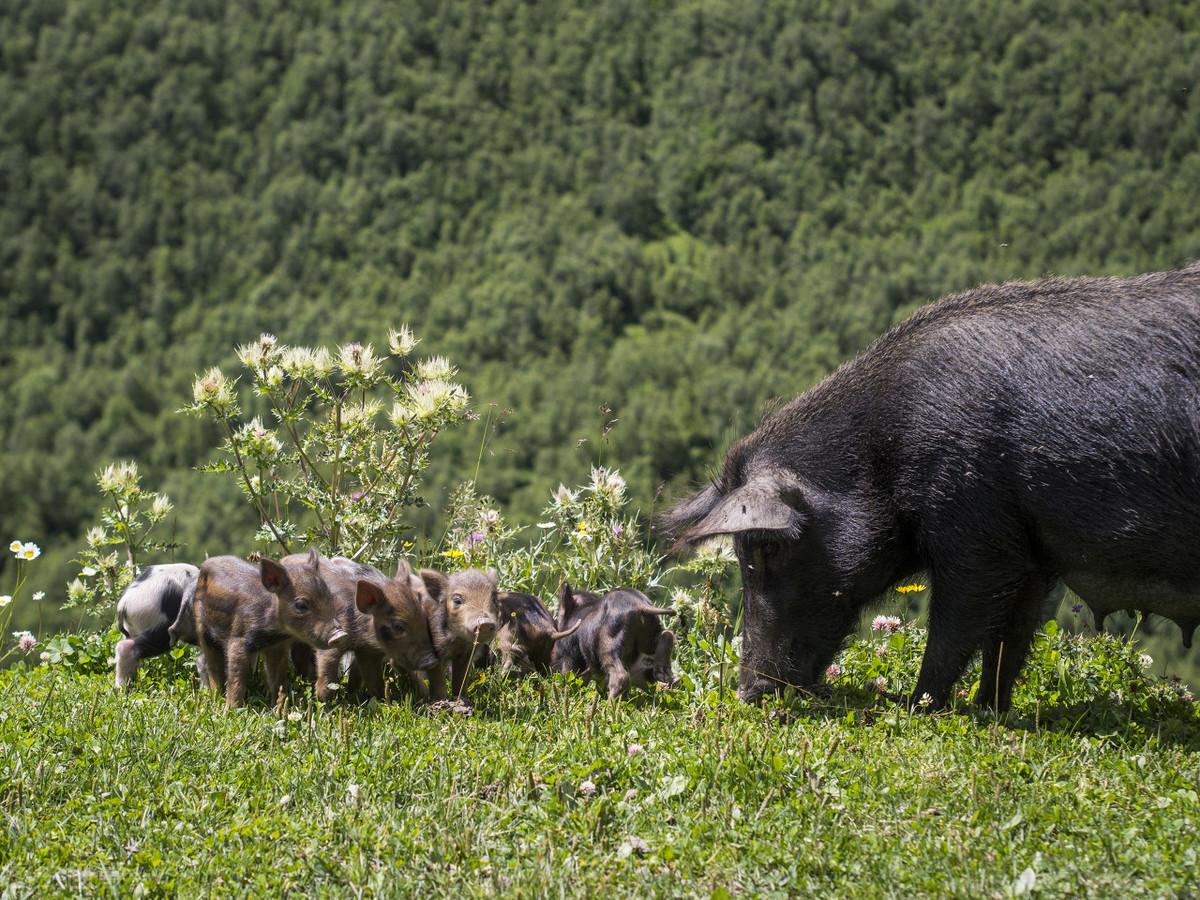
column 337, row 452
column 123, row 541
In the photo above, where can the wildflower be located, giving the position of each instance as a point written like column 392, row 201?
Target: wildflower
column 355, row 359
column 295, row 716
column 833, row 672
column 5, row 600
column 587, row 788
column 96, row 536
column 881, row 650
column 255, row 356
column 617, row 530
column 299, row 362
column 453, row 553
column 258, row 439
column 582, row 527
column 489, row 518
column 886, row 624
column 545, row 525
column 401, row 341
column 25, row 640
column 359, row 414
column 401, row 415
column 39, row 595
column 322, row 361
column 77, row 590
column 608, row 484
column 285, row 800
column 630, row 795
column 880, row 684
column 118, row 477
column 1146, row 660
column 633, row 750
column 16, row 546
column 1076, row 607
column 274, row 377
column 30, row 551
column 214, row 389
column 428, row 398
column 436, row 368
column 89, row 571
column 564, row 496
column 910, row 588
column 44, row 656
column 474, row 539
column 926, row 700
column 161, row 506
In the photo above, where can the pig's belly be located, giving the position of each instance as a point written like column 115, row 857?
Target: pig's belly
column 1105, row 595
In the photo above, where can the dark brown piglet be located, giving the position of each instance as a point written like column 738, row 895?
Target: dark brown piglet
column 525, row 641
column 386, row 620
column 619, row 639
column 463, row 615
column 242, row 609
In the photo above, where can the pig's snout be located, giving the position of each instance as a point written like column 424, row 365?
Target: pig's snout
column 427, row 662
column 338, row 638
column 485, row 629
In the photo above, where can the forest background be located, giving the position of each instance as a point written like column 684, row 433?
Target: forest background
column 633, row 226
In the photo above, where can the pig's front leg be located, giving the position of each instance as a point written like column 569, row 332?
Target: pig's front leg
column 328, row 664
column 437, row 680
column 370, row 672
column 214, row 667
column 237, row 672
column 275, row 661
column 662, row 658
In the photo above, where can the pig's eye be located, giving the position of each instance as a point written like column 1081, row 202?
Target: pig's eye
column 386, row 633
column 458, row 599
column 300, row 605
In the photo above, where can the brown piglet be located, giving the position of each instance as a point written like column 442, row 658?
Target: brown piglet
column 463, row 616
column 242, row 609
column 385, row 619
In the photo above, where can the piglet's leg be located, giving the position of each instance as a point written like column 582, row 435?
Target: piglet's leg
column 275, row 662
column 237, row 673
column 662, row 658
column 370, row 672
column 214, row 667
column 420, row 684
column 328, row 663
column 437, row 680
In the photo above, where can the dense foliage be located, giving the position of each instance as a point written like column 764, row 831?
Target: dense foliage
column 630, row 224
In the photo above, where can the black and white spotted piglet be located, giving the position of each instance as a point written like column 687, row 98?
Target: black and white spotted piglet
column 154, row 612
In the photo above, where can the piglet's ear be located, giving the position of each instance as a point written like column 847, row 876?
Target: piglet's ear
column 403, row 570
column 435, row 583
column 274, row 576
column 566, row 602
column 314, row 558
column 368, row 597
column 769, row 502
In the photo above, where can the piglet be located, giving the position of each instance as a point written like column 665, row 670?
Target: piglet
column 385, row 619
column 463, row 616
column 525, row 641
column 242, row 609
column 153, row 613
column 620, row 639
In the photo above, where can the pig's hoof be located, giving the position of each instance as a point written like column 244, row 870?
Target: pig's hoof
column 454, row 707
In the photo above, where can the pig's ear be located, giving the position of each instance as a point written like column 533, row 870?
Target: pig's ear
column 274, row 576
column 368, row 597
column 769, row 502
column 493, row 576
column 403, row 571
column 435, row 582
column 314, row 559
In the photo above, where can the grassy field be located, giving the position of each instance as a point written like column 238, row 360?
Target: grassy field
column 1089, row 789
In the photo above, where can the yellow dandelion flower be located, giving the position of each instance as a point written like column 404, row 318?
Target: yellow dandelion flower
column 909, row 588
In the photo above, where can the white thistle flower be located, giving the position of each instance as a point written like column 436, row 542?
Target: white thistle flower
column 161, row 506
column 299, row 362
column 436, row 368
column 118, row 477
column 401, row 341
column 564, row 496
column 213, row 389
column 358, row 359
column 609, row 484
column 96, row 536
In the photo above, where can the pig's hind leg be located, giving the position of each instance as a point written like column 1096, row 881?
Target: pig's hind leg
column 663, row 651
column 275, row 664
column 612, row 665
column 131, row 651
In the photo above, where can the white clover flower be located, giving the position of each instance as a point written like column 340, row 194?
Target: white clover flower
column 352, row 791
column 213, row 389
column 886, row 624
column 609, row 484
column 119, row 477
column 436, row 368
column 633, row 750
column 833, row 671
column 161, row 506
column 357, row 359
column 295, row 715
column 29, row 551
column 587, row 788
column 25, row 640
column 401, row 341
column 564, row 496
column 880, row 684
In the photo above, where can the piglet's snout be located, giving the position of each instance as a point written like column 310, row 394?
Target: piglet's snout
column 485, row 629
column 338, row 638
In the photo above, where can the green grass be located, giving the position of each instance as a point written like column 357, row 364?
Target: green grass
column 163, row 791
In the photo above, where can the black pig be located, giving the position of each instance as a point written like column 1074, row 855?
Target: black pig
column 1002, row 439
column 525, row 641
column 618, row 639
